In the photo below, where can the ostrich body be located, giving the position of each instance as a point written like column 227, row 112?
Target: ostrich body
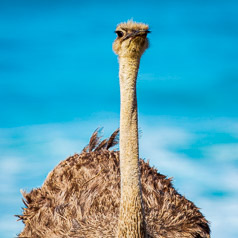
column 103, row 193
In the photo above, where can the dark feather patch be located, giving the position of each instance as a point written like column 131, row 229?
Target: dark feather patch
column 113, row 140
column 95, row 143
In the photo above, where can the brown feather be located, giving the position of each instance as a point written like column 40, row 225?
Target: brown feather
column 102, row 145
column 81, row 198
column 113, row 140
column 94, row 141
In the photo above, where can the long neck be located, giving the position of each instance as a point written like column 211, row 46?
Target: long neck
column 131, row 218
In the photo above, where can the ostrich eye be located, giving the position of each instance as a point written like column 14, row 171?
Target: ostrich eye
column 119, row 33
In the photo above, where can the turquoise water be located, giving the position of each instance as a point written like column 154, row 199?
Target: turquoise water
column 56, row 55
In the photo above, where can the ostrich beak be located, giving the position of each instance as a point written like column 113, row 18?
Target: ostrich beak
column 137, row 33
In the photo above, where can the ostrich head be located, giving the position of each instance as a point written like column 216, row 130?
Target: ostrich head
column 131, row 41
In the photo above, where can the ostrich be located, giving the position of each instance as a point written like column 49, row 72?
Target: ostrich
column 107, row 193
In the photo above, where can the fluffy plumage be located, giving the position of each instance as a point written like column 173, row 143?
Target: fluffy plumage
column 81, row 198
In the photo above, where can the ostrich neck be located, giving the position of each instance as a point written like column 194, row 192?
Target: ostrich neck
column 131, row 218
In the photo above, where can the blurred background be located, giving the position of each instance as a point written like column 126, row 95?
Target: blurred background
column 59, row 82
